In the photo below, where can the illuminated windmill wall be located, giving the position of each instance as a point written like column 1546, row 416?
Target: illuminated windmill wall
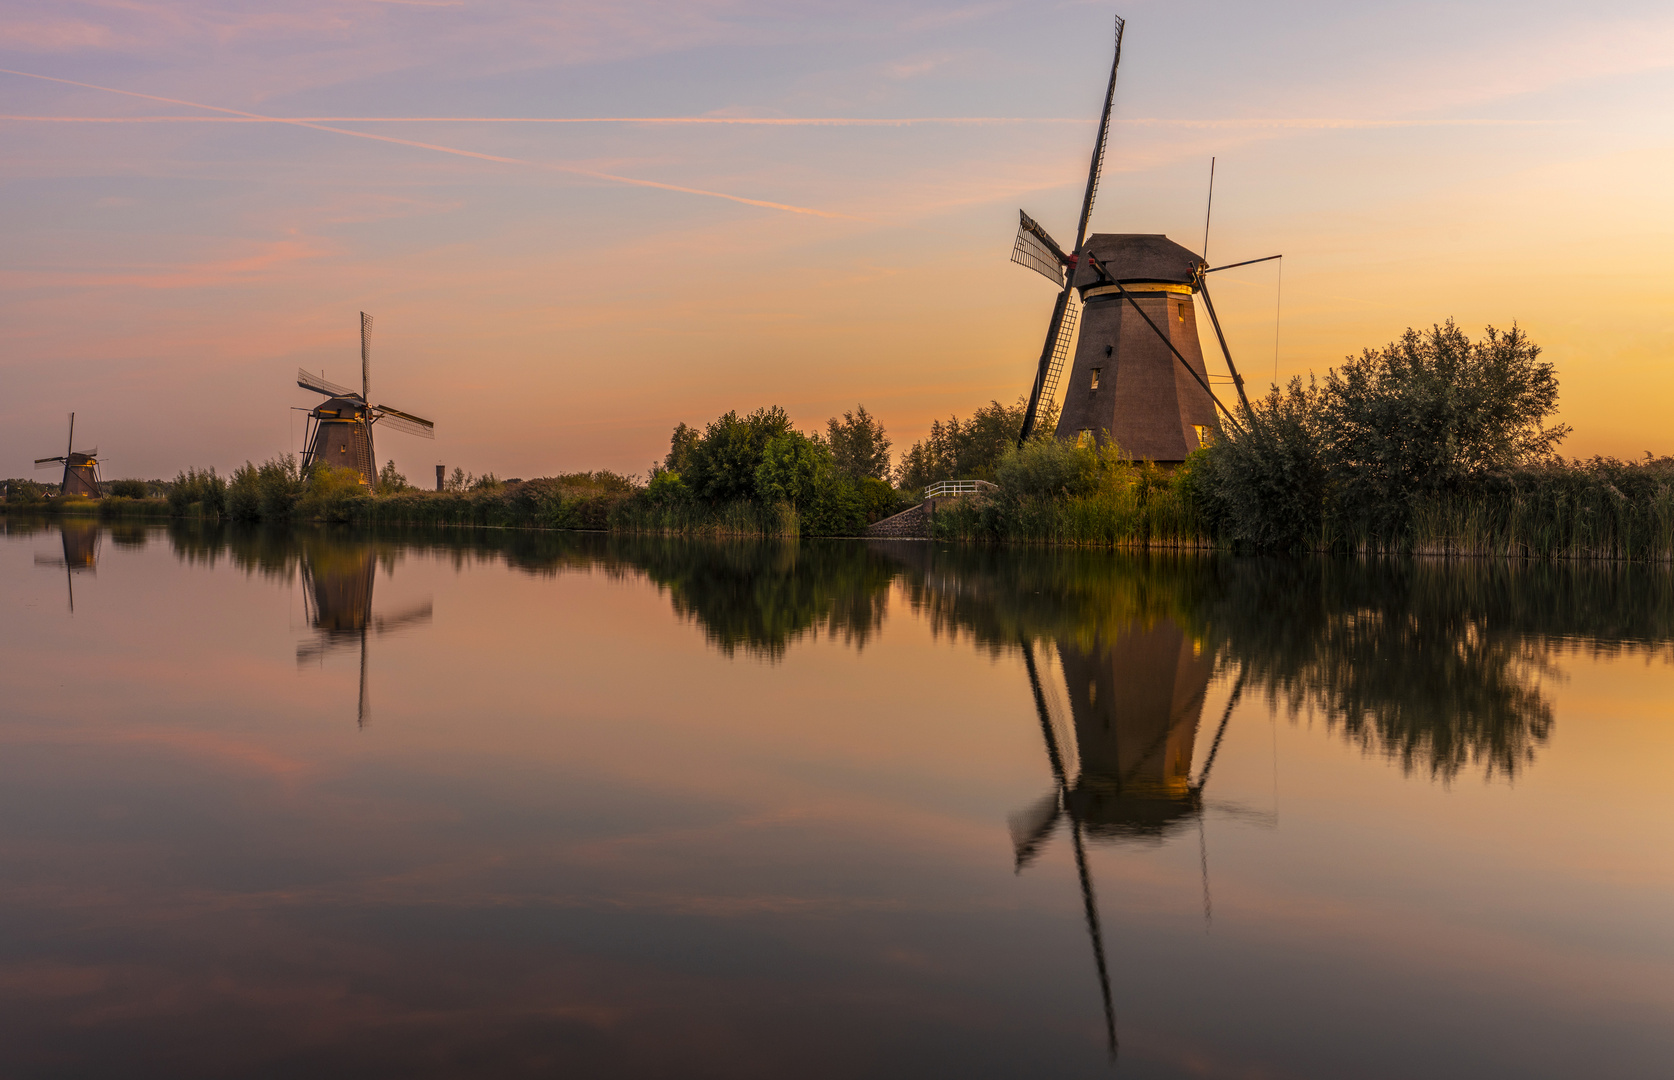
column 1126, row 383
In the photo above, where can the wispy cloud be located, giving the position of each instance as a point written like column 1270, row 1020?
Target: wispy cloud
column 1232, row 123
column 263, row 260
column 761, row 121
column 55, row 35
column 574, row 170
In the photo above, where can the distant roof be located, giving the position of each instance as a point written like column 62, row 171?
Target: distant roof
column 1139, row 257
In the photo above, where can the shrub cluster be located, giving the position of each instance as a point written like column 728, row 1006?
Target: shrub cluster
column 1055, row 492
column 756, row 474
column 969, row 449
column 1349, row 461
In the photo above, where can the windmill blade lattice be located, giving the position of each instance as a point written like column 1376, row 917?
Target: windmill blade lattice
column 321, row 385
column 407, row 422
column 1035, row 249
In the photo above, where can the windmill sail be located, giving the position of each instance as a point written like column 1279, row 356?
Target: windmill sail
column 401, row 421
column 340, row 429
column 1038, row 251
column 321, row 385
column 1055, row 327
column 365, row 356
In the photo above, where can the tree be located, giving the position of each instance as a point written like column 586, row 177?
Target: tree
column 792, row 467
column 1266, row 486
column 1428, row 412
column 680, row 446
column 859, row 445
column 1351, row 456
column 390, row 482
column 721, row 466
column 970, row 449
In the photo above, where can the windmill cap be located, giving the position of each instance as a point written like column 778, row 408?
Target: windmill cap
column 1139, row 257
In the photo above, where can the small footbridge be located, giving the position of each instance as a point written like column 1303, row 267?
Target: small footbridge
column 914, row 524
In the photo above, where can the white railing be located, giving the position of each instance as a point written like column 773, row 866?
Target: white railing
column 945, row 488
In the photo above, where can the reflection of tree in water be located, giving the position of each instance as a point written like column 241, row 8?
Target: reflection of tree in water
column 1436, row 665
column 761, row 596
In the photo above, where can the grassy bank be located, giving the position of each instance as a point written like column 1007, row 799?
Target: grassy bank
column 107, row 509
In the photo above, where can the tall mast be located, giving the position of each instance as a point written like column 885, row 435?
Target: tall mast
column 1058, row 309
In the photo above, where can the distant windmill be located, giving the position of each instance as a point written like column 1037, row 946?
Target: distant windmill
column 1138, row 379
column 337, row 592
column 81, row 467
column 340, row 428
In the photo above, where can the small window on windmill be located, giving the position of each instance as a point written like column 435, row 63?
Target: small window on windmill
column 1084, row 437
column 1095, row 383
column 1180, row 310
column 1204, row 435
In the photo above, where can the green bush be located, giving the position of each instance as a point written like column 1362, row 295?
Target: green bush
column 877, row 499
column 266, row 492
column 721, row 466
column 25, row 492
column 1349, row 461
column 1048, row 469
column 792, row 467
column 1266, row 487
column 129, row 489
column 333, row 494
column 198, row 494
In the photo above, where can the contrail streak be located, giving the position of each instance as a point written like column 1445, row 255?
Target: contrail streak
column 774, row 121
column 574, row 170
column 1298, row 122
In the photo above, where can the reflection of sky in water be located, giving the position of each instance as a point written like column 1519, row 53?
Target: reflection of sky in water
column 643, row 808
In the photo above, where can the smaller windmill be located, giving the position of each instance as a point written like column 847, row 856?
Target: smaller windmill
column 340, row 428
column 81, row 467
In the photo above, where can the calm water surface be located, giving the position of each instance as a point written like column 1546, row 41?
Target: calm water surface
column 413, row 805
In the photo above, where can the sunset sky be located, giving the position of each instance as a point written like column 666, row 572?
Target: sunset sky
column 556, row 296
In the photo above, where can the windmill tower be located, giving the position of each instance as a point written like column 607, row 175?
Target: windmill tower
column 1138, row 375
column 340, row 428
column 81, row 467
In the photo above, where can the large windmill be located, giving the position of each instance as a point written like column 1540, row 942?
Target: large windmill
column 340, row 428
column 81, row 467
column 1138, row 375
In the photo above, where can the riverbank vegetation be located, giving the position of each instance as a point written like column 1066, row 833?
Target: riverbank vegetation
column 741, row 475
column 1434, row 444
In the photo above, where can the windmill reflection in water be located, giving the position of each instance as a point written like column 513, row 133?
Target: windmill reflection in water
column 1120, row 740
column 81, row 552
column 337, row 584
